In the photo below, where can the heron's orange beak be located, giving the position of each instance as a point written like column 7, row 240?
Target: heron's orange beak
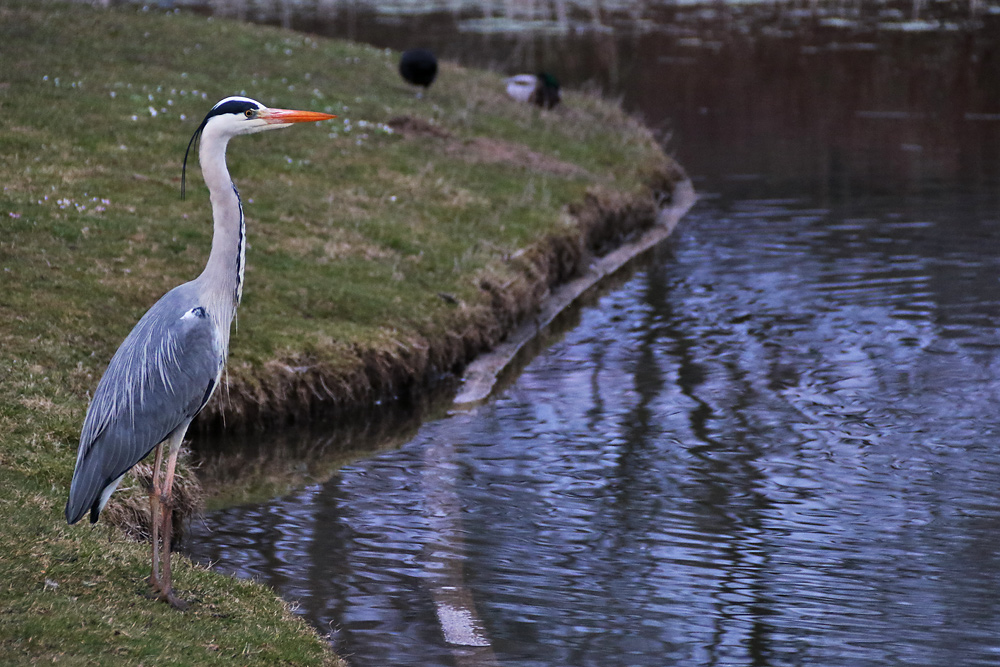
column 285, row 116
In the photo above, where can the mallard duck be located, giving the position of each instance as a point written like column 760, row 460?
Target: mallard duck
column 541, row 89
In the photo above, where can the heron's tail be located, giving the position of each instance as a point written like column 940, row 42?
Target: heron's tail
column 80, row 500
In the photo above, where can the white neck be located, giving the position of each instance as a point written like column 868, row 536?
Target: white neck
column 221, row 282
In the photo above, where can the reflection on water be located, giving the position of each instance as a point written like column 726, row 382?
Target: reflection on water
column 777, row 444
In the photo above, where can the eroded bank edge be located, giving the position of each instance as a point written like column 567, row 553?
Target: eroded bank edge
column 522, row 290
column 481, row 374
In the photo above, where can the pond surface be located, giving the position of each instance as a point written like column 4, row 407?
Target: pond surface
column 776, row 443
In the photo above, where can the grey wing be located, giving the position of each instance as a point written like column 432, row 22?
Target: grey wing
column 159, row 379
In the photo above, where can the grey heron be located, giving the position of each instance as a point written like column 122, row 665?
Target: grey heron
column 167, row 368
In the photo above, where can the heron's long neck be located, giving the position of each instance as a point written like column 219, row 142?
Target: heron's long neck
column 222, row 279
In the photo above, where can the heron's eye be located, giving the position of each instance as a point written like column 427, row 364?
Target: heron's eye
column 250, row 113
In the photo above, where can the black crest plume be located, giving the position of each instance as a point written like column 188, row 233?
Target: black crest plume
column 193, row 142
column 234, row 105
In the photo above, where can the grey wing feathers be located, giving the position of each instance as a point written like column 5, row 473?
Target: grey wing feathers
column 158, row 380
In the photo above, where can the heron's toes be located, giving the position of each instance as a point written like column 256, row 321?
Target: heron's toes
column 173, row 600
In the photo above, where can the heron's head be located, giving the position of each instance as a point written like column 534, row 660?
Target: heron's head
column 237, row 115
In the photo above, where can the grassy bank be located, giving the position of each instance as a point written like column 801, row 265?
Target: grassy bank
column 387, row 247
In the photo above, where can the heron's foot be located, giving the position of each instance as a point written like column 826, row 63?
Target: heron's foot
column 172, row 600
column 153, row 582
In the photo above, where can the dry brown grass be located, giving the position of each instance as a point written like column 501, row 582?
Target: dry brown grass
column 487, row 150
column 130, row 508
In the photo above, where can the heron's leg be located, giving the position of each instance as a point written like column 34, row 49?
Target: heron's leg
column 167, row 518
column 154, row 518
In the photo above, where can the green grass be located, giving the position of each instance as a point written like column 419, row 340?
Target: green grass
column 353, row 235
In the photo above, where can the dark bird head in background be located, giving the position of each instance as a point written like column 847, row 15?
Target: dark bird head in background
column 547, row 91
column 419, row 67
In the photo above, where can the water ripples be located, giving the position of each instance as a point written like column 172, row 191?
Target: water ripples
column 776, row 445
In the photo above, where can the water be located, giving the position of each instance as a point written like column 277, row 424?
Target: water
column 777, row 443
